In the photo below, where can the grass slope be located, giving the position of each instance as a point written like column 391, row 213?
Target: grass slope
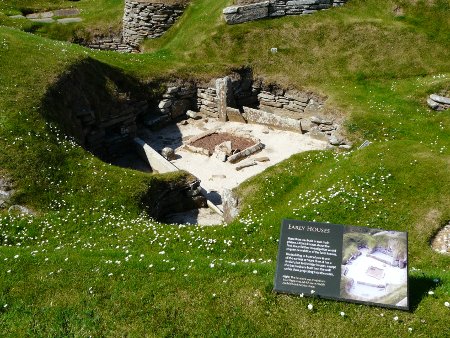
column 90, row 264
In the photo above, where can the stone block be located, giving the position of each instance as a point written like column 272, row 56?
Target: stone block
column 246, row 152
column 262, row 117
column 246, row 164
column 168, row 153
column 432, row 104
column 317, row 134
column 225, row 97
column 234, row 115
column 192, row 114
column 271, row 104
column 230, row 204
column 67, row 12
column 440, row 99
column 165, row 104
column 69, row 20
column 179, row 107
column 240, row 14
column 157, row 162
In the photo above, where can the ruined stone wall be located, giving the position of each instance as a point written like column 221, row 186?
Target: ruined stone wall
column 111, row 43
column 240, row 98
column 249, row 11
column 144, row 19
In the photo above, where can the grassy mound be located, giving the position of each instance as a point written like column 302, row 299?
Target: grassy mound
column 89, row 263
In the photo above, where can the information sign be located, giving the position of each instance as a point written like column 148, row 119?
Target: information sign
column 349, row 263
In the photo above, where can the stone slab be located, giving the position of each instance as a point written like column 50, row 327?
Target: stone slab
column 440, row 99
column 234, row 115
column 45, row 20
column 66, row 12
column 69, row 20
column 240, row 14
column 157, row 162
column 262, row 117
column 245, row 165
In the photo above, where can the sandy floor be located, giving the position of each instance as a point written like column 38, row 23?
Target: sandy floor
column 216, row 175
column 204, row 216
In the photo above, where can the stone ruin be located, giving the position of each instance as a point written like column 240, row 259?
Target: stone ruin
column 142, row 19
column 115, row 119
column 149, row 19
column 240, row 98
column 250, row 10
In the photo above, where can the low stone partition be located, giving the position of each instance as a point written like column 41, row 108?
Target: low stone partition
column 149, row 19
column 275, row 8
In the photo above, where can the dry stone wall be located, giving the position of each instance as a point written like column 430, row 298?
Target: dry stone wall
column 146, row 19
column 111, row 43
column 275, row 8
column 239, row 98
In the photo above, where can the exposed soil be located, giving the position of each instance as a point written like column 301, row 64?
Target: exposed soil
column 211, row 141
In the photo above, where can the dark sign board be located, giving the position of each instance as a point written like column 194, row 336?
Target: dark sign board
column 356, row 264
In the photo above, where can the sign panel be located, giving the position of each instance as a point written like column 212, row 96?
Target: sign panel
column 356, row 264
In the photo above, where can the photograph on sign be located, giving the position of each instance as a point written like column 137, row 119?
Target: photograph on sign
column 356, row 264
column 374, row 266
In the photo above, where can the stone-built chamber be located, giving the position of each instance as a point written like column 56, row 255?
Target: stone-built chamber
column 241, row 98
column 142, row 19
column 149, row 19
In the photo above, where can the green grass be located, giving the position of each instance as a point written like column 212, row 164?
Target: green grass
column 100, row 17
column 59, row 270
